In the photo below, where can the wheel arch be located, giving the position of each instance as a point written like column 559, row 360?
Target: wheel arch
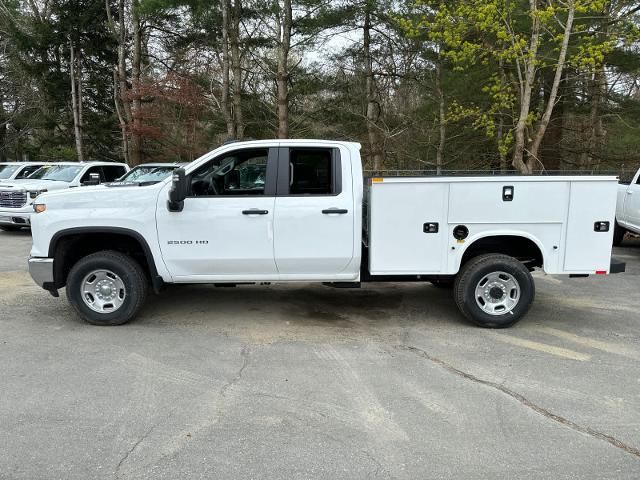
column 521, row 245
column 92, row 239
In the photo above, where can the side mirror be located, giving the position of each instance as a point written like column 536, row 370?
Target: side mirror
column 94, row 179
column 178, row 191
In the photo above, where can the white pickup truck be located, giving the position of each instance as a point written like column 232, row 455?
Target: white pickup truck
column 18, row 170
column 18, row 195
column 299, row 211
column 627, row 209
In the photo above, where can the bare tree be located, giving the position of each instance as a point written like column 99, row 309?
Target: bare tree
column 76, row 101
column 135, row 156
column 284, row 24
column 126, row 87
column 376, row 150
column 227, row 110
column 236, row 68
column 442, row 118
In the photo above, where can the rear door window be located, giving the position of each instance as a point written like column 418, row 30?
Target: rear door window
column 309, row 171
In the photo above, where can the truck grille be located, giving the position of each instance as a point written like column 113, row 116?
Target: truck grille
column 11, row 199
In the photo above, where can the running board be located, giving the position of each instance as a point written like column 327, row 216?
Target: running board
column 342, row 284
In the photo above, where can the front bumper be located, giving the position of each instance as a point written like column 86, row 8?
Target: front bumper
column 19, row 217
column 41, row 270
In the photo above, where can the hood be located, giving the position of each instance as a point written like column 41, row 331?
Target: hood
column 27, row 184
column 74, row 192
column 100, row 196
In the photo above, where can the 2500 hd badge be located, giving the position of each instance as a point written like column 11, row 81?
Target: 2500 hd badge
column 187, row 242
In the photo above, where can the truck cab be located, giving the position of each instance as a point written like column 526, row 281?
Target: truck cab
column 267, row 212
column 628, row 209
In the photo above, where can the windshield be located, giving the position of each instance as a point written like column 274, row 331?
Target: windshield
column 60, row 173
column 143, row 174
column 7, row 170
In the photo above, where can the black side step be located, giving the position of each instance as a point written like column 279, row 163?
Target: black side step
column 342, row 284
column 617, row 266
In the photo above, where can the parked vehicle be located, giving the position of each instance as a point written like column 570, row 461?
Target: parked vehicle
column 17, row 196
column 148, row 173
column 294, row 210
column 627, row 209
column 18, row 170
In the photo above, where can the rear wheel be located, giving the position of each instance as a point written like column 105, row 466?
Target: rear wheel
column 107, row 288
column 618, row 234
column 494, row 290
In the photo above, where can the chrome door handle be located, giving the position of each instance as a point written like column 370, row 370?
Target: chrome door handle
column 338, row 211
column 255, row 211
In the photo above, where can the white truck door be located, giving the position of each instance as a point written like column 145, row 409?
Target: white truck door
column 225, row 230
column 314, row 221
column 632, row 203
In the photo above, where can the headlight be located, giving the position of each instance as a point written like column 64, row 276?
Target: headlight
column 39, row 207
column 35, row 193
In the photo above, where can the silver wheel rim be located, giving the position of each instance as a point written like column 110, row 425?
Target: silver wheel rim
column 103, row 291
column 497, row 293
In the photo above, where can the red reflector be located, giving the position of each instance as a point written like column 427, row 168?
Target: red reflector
column 601, row 272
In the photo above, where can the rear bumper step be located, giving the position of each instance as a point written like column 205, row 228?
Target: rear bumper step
column 617, row 266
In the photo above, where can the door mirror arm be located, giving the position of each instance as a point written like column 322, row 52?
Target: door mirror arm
column 178, row 191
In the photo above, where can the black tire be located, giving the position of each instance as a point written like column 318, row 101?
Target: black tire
column 9, row 228
column 127, row 269
column 474, row 271
column 618, row 234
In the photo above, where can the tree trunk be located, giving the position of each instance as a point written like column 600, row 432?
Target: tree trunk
column 502, row 146
column 75, row 103
column 227, row 110
column 546, row 116
column 373, row 103
column 598, row 100
column 236, row 69
column 518, row 161
column 442, row 125
column 80, row 103
column 135, row 156
column 551, row 149
column 598, row 95
column 500, row 137
column 120, row 87
column 117, row 100
column 282, row 75
column 3, row 132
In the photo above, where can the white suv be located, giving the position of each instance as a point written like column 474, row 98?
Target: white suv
column 17, row 196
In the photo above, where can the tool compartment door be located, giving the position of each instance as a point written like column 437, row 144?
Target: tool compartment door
column 402, row 220
column 587, row 250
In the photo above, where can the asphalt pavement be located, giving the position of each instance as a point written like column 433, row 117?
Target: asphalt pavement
column 305, row 381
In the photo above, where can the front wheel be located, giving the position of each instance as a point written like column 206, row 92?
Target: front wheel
column 494, row 290
column 107, row 288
